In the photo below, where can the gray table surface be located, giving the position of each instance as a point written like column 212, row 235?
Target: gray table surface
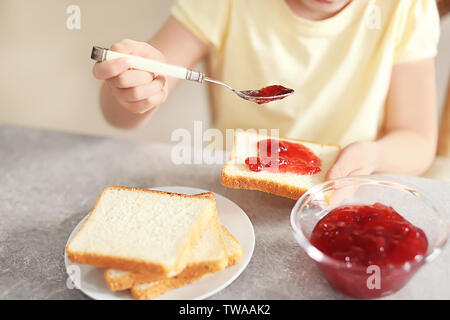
column 50, row 180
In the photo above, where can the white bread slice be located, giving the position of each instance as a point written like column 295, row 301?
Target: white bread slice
column 208, row 255
column 154, row 289
column 235, row 173
column 142, row 230
column 233, row 247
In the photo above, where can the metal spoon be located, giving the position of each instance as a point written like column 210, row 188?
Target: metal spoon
column 264, row 95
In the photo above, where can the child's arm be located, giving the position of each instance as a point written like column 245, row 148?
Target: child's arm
column 129, row 96
column 408, row 141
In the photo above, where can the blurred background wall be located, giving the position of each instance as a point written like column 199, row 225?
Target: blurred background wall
column 46, row 79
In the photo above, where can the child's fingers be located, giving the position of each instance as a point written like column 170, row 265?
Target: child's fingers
column 342, row 167
column 138, row 107
column 142, row 92
column 131, row 78
column 134, row 107
column 137, row 91
column 342, row 171
column 143, row 106
column 111, row 68
column 158, row 98
column 356, row 159
column 360, row 172
column 137, row 48
column 336, row 171
column 338, row 196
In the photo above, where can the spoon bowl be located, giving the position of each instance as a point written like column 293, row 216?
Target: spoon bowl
column 264, row 95
column 260, row 97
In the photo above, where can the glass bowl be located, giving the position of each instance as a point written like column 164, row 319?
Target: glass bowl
column 362, row 281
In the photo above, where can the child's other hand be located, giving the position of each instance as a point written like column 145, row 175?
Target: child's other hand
column 137, row 91
column 359, row 158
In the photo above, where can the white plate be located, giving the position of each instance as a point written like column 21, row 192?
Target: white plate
column 92, row 282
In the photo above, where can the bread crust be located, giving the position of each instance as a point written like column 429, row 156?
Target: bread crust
column 165, row 285
column 194, row 270
column 190, row 274
column 161, row 287
column 131, row 279
column 239, row 182
column 137, row 265
column 250, row 183
column 128, row 280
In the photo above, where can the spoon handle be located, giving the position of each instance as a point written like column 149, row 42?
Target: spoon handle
column 102, row 54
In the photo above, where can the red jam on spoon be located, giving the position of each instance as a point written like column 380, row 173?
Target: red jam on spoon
column 268, row 94
column 369, row 235
column 284, row 156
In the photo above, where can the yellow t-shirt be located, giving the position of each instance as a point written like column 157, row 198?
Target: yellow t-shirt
column 340, row 67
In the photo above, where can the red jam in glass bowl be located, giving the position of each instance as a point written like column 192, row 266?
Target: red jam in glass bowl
column 368, row 239
column 283, row 156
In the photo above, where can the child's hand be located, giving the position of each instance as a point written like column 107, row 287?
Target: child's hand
column 359, row 158
column 135, row 90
